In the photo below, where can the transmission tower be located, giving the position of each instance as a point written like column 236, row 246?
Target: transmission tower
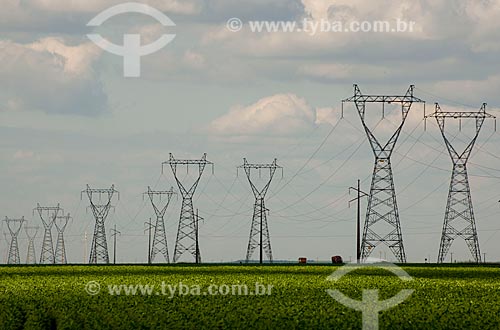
column 459, row 218
column 160, row 201
column 382, row 223
column 48, row 215
column 186, row 234
column 14, row 226
column 100, row 203
column 61, row 223
column 31, row 234
column 259, row 231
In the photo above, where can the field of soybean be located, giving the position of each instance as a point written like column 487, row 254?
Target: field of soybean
column 243, row 296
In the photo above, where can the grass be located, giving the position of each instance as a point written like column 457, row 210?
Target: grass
column 45, row 297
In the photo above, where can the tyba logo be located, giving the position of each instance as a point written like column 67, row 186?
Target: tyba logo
column 131, row 50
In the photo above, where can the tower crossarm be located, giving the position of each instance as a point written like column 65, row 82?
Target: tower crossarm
column 458, row 114
column 61, row 222
column 406, row 101
column 14, row 225
column 201, row 163
column 438, row 113
column 108, row 193
column 160, row 209
column 48, row 214
column 441, row 116
column 359, row 97
column 247, row 167
column 100, row 210
column 31, row 231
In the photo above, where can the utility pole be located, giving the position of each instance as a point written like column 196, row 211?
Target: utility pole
column 484, row 257
column 382, row 223
column 114, row 232
column 7, row 243
column 358, row 215
column 85, row 242
column 259, row 230
column 198, row 256
column 149, row 226
column 459, row 220
column 100, row 203
column 186, row 233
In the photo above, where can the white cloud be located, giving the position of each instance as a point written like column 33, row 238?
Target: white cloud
column 50, row 76
column 317, row 9
column 74, row 59
column 194, row 59
column 327, row 116
column 281, row 114
column 22, row 155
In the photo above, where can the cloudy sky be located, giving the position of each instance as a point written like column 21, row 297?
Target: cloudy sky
column 68, row 117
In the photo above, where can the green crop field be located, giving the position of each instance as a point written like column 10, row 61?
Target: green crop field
column 45, row 297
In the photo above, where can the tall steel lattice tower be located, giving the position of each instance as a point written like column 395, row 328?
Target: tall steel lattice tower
column 14, row 226
column 459, row 218
column 259, row 231
column 100, row 203
column 31, row 234
column 160, row 201
column 382, row 223
column 186, row 234
column 48, row 215
column 61, row 222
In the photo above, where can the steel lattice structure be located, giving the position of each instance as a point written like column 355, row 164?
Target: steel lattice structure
column 48, row 215
column 61, row 222
column 259, row 230
column 459, row 218
column 186, row 234
column 99, row 249
column 160, row 236
column 14, row 226
column 382, row 223
column 31, row 234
